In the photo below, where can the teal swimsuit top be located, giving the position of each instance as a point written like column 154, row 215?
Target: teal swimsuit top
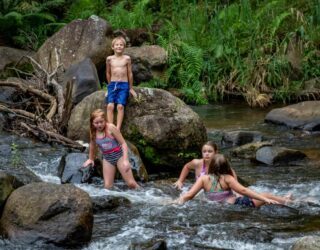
column 219, row 195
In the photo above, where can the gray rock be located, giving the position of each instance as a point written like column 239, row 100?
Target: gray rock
column 303, row 115
column 76, row 41
column 84, row 79
column 276, row 155
column 48, row 213
column 241, row 137
column 307, row 243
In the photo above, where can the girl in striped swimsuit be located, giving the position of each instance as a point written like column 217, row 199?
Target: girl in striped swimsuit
column 220, row 184
column 113, row 147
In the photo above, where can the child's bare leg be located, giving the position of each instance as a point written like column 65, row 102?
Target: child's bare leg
column 108, row 174
column 110, row 109
column 127, row 175
column 120, row 110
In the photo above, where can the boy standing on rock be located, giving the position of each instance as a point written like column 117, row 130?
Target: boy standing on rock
column 120, row 81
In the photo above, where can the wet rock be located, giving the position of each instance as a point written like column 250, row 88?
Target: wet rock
column 84, row 79
column 70, row 169
column 153, row 244
column 48, row 213
column 160, row 125
column 103, row 203
column 277, row 155
column 254, row 234
column 280, row 210
column 303, row 115
column 139, row 170
column 241, row 137
column 307, row 243
column 248, row 151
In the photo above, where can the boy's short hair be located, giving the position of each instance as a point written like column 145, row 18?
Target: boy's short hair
column 121, row 38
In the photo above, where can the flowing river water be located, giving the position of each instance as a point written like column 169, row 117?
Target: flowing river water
column 201, row 224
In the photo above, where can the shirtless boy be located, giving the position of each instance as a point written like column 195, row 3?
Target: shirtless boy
column 120, row 80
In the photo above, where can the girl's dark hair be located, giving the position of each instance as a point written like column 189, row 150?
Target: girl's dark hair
column 220, row 165
column 211, row 144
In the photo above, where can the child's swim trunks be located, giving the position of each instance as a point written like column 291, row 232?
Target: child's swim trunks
column 118, row 92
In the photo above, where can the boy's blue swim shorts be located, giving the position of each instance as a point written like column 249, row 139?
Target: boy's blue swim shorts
column 118, row 92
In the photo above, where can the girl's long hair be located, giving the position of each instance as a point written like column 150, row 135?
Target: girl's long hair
column 96, row 113
column 219, row 166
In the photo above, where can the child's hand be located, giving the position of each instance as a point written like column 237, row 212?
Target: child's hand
column 178, row 184
column 88, row 162
column 133, row 93
column 270, row 201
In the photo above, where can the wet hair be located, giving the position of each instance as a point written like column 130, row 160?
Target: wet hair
column 220, row 165
column 211, row 144
column 96, row 113
column 118, row 38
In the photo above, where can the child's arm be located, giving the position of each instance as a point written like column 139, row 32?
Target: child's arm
column 91, row 154
column 130, row 77
column 108, row 69
column 184, row 173
column 237, row 187
column 193, row 191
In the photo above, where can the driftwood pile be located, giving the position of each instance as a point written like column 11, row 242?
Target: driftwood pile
column 41, row 106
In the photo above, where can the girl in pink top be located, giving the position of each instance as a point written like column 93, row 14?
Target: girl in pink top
column 200, row 166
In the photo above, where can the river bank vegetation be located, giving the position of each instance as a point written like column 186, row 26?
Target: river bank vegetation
column 260, row 50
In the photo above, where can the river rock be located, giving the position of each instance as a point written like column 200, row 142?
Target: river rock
column 165, row 130
column 303, row 115
column 70, row 169
column 84, row 79
column 248, row 151
column 7, row 184
column 276, row 155
column 48, row 213
column 307, row 243
column 103, row 203
column 76, row 41
column 241, row 137
column 152, row 244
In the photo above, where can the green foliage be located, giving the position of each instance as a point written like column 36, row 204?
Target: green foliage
column 28, row 23
column 82, row 9
column 130, row 15
column 15, row 155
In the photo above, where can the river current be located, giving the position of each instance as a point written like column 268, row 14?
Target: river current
column 201, row 224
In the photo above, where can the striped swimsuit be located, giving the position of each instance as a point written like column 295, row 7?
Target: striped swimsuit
column 110, row 149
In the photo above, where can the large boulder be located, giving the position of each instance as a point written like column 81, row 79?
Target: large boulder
column 148, row 61
column 76, row 41
column 303, row 115
column 241, row 137
column 48, row 213
column 7, row 184
column 165, row 130
column 84, row 79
